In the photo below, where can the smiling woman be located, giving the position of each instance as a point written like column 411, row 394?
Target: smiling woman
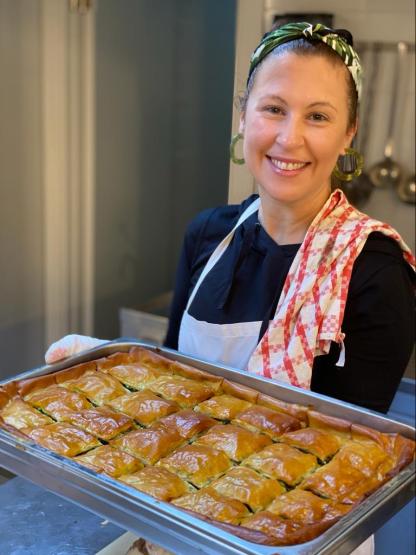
column 295, row 127
column 295, row 284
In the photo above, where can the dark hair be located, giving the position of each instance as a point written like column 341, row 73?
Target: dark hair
column 305, row 47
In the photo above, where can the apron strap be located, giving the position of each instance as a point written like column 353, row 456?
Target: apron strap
column 220, row 249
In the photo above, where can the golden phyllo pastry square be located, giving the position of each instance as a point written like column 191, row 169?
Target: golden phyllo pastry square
column 110, row 461
column 101, row 422
column 284, row 531
column 311, row 440
column 211, row 504
column 57, row 402
column 63, row 439
column 96, row 386
column 20, row 415
column 223, row 407
column 268, row 421
column 144, row 406
column 135, row 376
column 306, row 508
column 188, row 423
column 198, row 464
column 158, row 482
column 236, row 442
column 183, row 391
column 249, row 487
column 149, row 445
column 351, row 474
column 282, row 462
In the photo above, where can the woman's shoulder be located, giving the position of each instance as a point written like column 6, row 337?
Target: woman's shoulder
column 380, row 256
column 215, row 223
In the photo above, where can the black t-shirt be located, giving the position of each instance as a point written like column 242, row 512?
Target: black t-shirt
column 245, row 286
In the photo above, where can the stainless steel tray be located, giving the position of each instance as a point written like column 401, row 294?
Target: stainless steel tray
column 176, row 530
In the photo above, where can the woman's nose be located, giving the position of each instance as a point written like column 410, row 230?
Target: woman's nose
column 290, row 133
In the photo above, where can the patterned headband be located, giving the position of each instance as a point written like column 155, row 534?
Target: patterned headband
column 318, row 32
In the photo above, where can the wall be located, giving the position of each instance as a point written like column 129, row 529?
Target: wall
column 21, row 293
column 164, row 94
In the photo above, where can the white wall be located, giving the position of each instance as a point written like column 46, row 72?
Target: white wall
column 21, row 205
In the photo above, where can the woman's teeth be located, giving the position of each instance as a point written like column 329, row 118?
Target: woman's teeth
column 287, row 165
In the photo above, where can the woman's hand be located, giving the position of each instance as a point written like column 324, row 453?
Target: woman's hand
column 71, row 345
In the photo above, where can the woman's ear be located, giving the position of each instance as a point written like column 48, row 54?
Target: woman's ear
column 349, row 137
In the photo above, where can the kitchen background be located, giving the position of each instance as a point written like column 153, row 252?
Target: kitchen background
column 115, row 125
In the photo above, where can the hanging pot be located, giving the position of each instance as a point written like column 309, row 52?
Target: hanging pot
column 406, row 190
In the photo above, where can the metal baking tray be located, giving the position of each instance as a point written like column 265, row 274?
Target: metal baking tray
column 175, row 529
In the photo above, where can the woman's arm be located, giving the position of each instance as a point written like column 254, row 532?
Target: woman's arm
column 379, row 324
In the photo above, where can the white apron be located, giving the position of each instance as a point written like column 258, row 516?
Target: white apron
column 231, row 344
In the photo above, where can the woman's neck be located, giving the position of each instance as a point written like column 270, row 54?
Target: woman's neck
column 287, row 223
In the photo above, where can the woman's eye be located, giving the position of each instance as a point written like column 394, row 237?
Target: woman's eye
column 316, row 116
column 274, row 109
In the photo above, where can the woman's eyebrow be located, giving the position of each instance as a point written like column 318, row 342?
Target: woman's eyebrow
column 283, row 101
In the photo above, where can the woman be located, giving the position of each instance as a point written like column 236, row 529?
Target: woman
column 295, row 284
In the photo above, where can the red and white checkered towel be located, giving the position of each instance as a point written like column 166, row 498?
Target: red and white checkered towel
column 311, row 307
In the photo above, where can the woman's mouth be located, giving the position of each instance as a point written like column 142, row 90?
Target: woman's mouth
column 286, row 167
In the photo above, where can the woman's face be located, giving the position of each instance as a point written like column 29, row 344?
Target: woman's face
column 295, row 126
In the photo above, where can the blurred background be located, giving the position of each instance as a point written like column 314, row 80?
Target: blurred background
column 116, row 118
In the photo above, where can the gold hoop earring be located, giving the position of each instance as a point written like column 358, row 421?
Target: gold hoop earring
column 234, row 141
column 354, row 163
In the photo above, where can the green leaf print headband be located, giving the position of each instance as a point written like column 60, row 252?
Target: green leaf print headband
column 318, row 32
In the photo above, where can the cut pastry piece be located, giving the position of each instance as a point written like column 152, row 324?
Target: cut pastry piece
column 96, row 386
column 151, row 359
column 249, row 487
column 236, row 442
column 306, row 508
column 198, row 464
column 20, row 415
column 63, row 439
column 401, row 450
column 366, row 457
column 298, row 411
column 286, row 532
column 159, row 483
column 223, row 407
column 332, row 424
column 311, row 440
column 351, row 475
column 188, row 423
column 283, row 462
column 268, row 421
column 149, row 445
column 57, row 402
column 111, row 461
column 143, row 406
column 213, row 505
column 183, row 391
column 101, row 422
column 195, row 374
column 134, row 376
column 115, row 359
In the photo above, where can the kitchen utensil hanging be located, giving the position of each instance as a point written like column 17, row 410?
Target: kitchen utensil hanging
column 406, row 190
column 388, row 172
